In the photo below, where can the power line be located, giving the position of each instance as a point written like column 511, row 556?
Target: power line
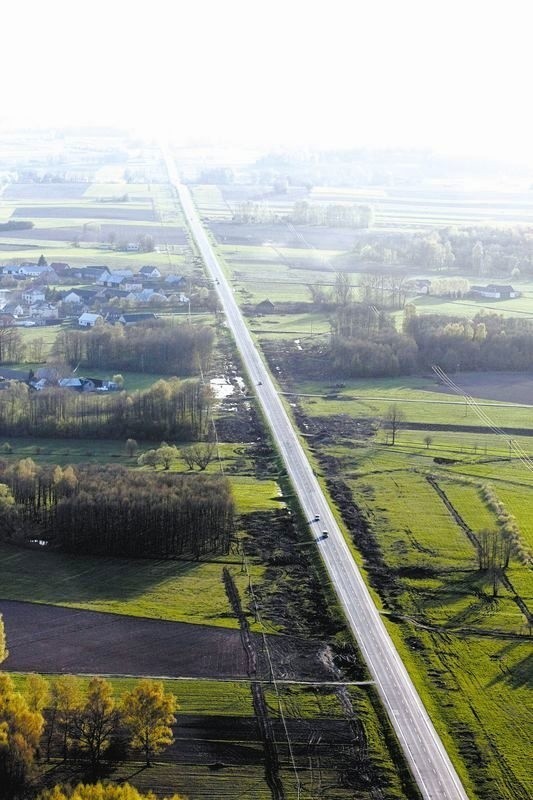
column 472, row 403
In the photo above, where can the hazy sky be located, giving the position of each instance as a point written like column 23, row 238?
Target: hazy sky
column 452, row 75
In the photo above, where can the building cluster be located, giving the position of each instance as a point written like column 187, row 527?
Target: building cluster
column 97, row 293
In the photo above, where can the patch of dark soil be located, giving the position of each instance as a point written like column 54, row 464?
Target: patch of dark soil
column 55, row 639
column 291, row 594
column 290, row 364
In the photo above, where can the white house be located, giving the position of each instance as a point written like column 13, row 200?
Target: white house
column 88, row 320
column 33, row 295
column 33, row 270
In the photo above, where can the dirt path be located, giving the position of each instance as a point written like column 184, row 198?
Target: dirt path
column 272, row 767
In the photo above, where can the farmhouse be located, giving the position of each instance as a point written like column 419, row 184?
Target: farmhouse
column 90, row 273
column 495, row 291
column 33, row 295
column 175, row 280
column 80, row 297
column 90, row 320
column 60, row 268
column 13, row 308
column 265, row 307
column 34, row 271
column 149, row 272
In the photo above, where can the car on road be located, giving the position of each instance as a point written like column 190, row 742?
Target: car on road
column 325, row 534
column 317, row 517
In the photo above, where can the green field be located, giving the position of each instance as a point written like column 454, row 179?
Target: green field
column 179, row 591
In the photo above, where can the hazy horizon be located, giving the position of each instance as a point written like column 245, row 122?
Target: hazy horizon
column 437, row 76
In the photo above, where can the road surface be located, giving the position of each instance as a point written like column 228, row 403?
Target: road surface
column 425, row 753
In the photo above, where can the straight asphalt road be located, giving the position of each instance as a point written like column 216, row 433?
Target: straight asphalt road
column 424, row 751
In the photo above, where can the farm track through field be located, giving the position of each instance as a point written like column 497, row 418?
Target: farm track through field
column 272, row 766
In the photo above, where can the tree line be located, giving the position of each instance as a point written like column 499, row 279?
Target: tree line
column 476, row 250
column 364, row 342
column 57, row 719
column 170, row 408
column 156, row 346
column 333, row 215
column 112, row 511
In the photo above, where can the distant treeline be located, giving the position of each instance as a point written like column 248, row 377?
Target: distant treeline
column 168, row 409
column 364, row 344
column 110, row 510
column 16, row 225
column 334, row 215
column 158, row 346
column 474, row 250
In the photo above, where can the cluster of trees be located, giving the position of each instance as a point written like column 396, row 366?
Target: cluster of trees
column 333, row 215
column 57, row 719
column 250, row 211
column 11, row 345
column 196, row 455
column 364, row 342
column 109, row 510
column 155, row 346
column 168, row 409
column 99, row 791
column 488, row 341
column 475, row 250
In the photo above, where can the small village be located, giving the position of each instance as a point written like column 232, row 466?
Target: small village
column 47, row 294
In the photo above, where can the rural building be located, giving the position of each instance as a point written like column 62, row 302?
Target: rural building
column 90, row 273
column 14, row 309
column 71, row 383
column 33, row 296
column 265, row 307
column 35, row 271
column 111, row 314
column 80, row 297
column 111, row 279
column 175, row 281
column 149, row 272
column 495, row 291
column 134, row 319
column 90, row 320
column 60, row 268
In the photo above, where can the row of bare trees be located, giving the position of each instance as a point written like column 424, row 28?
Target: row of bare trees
column 170, row 408
column 155, row 346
